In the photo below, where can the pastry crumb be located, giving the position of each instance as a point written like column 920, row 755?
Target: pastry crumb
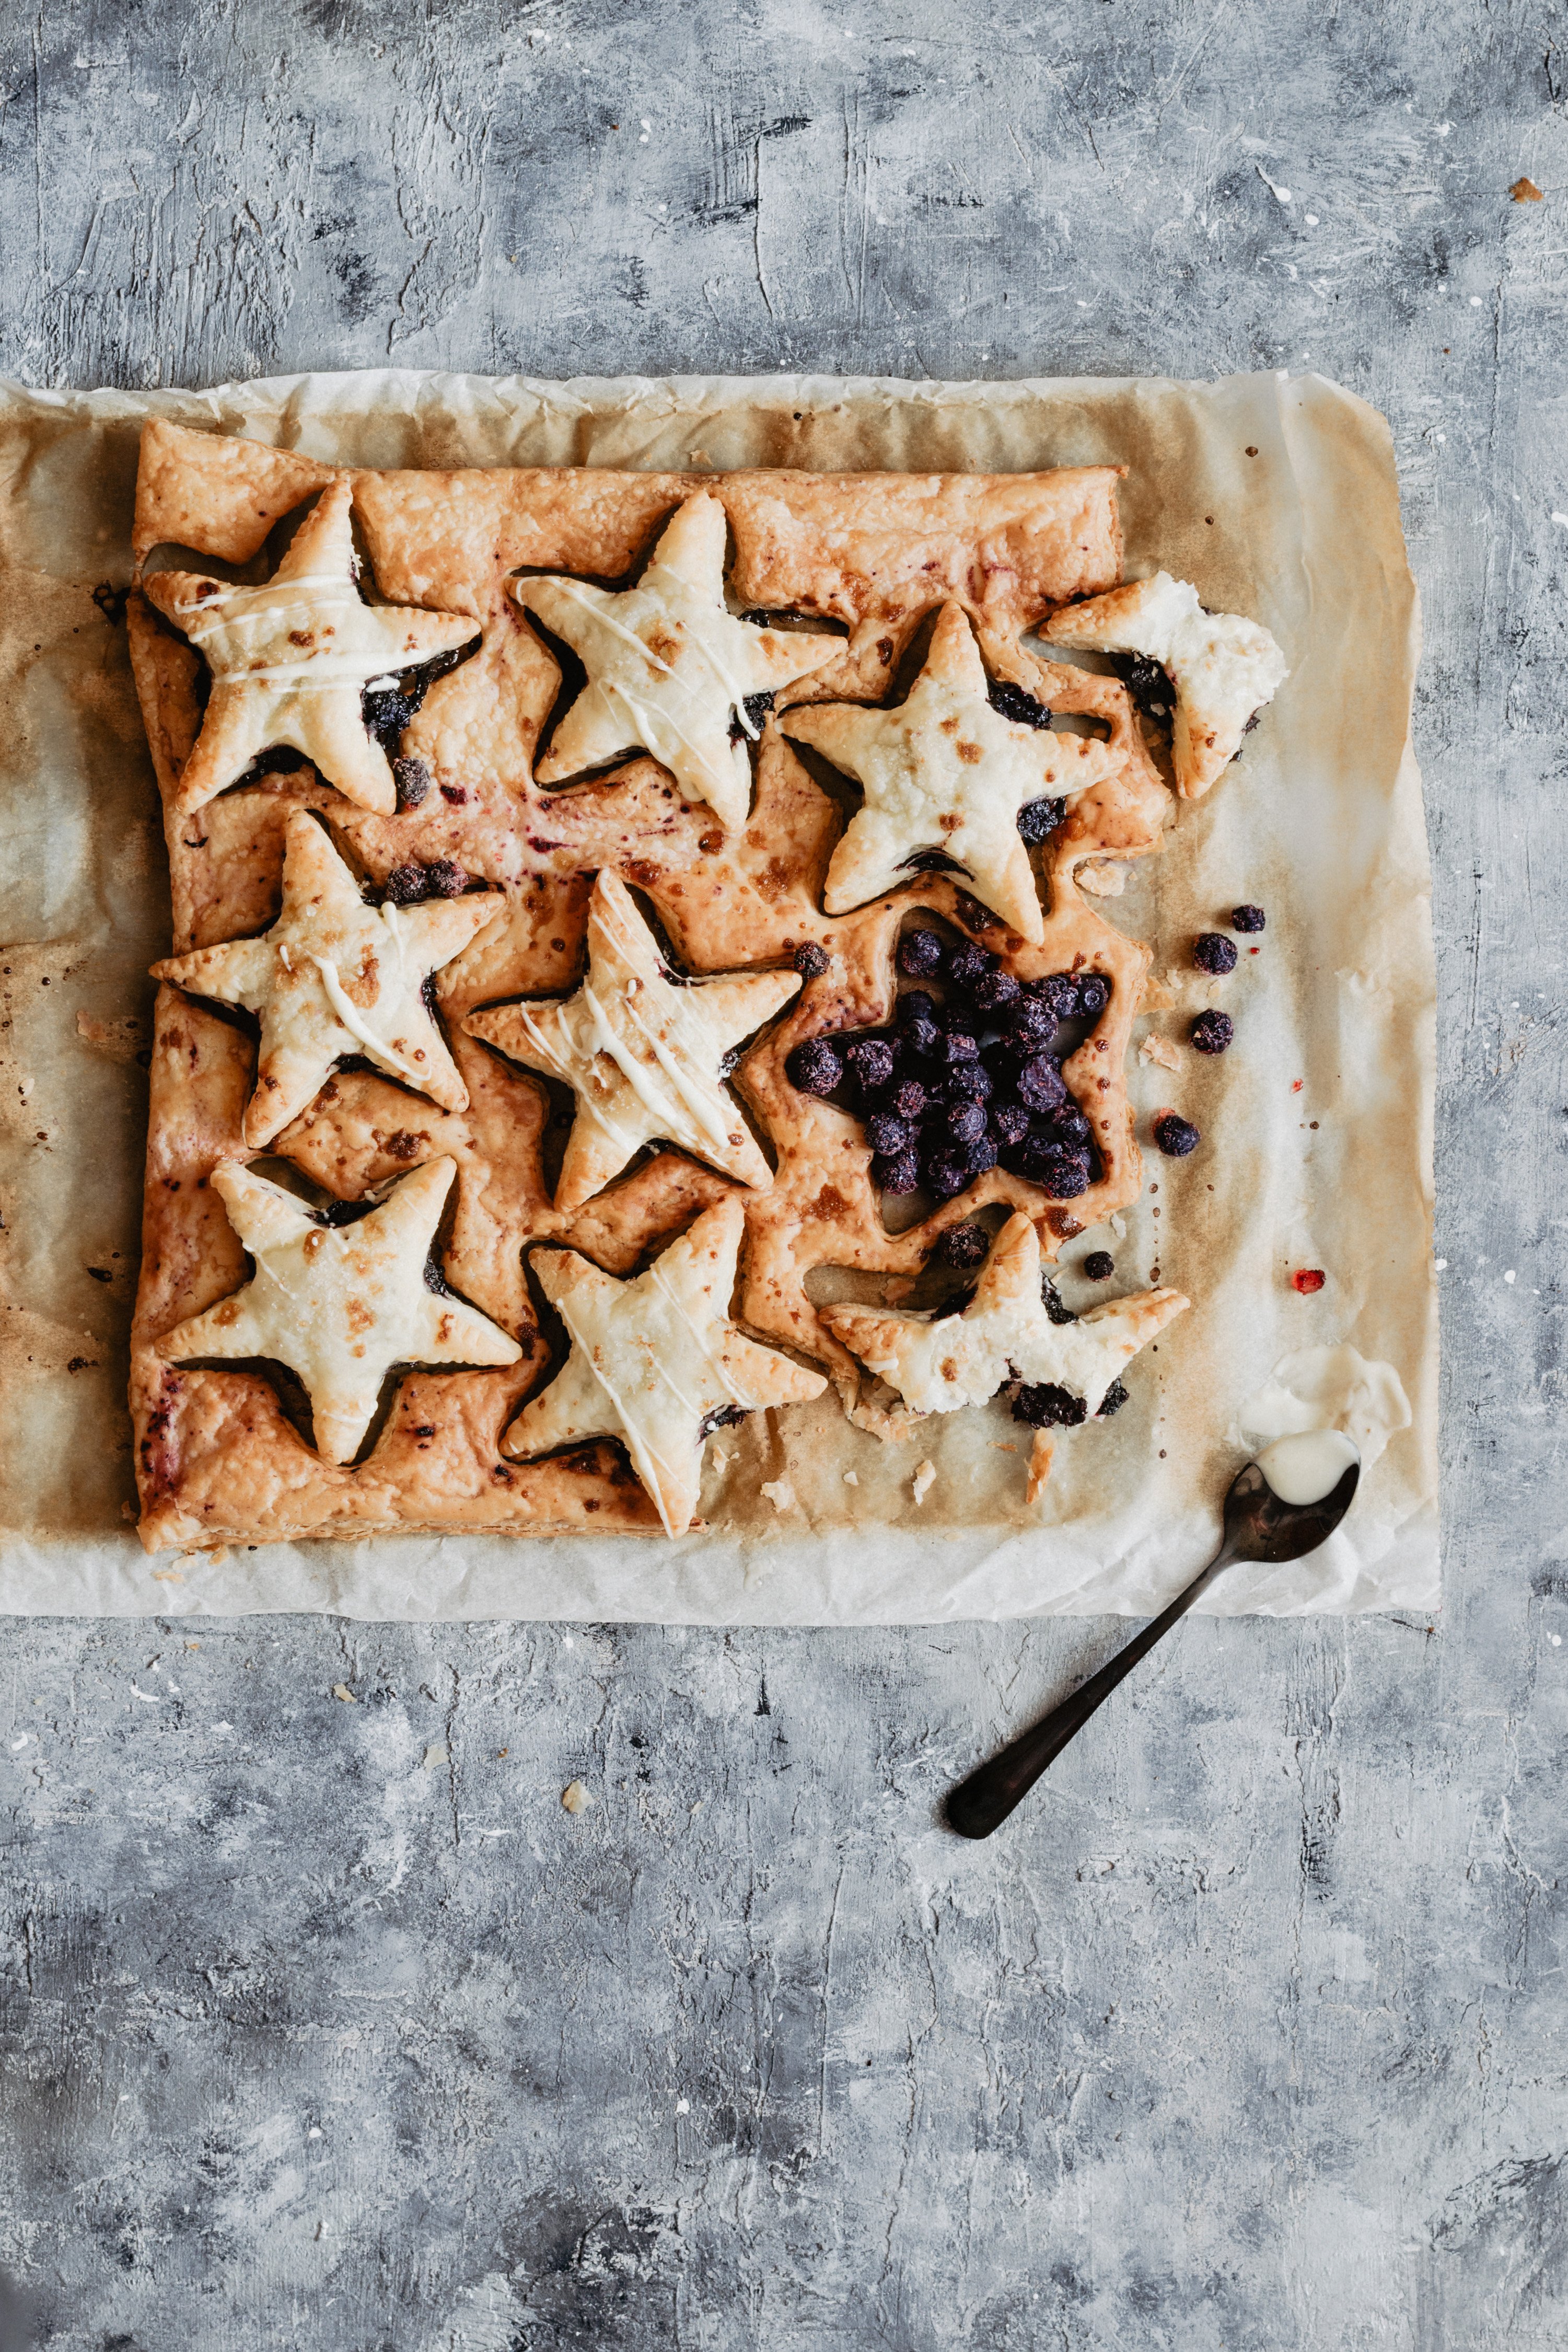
column 1156, row 997
column 1525, row 192
column 1160, row 1050
column 117, row 1039
column 925, row 1479
column 436, row 1755
column 1118, row 1224
column 342, row 1690
column 852, row 1478
column 167, row 1576
column 1103, row 879
column 1040, row 1459
column 779, row 1493
column 576, row 1798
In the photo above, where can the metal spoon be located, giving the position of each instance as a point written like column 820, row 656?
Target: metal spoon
column 1258, row 1527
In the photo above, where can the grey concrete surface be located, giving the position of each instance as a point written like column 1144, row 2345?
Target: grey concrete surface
column 323, row 2023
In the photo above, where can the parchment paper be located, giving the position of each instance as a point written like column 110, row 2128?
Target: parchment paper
column 1279, row 499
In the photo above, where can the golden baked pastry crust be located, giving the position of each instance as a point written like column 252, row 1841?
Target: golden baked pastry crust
column 224, row 1454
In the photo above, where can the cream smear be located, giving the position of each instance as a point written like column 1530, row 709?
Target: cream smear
column 1327, row 1389
column 1306, row 1467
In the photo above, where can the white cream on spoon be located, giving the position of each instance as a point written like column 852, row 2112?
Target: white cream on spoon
column 1309, row 1465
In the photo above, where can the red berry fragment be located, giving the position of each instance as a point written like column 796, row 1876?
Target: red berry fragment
column 1308, row 1278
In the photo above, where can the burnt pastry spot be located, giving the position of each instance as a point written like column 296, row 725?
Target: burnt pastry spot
column 962, row 1083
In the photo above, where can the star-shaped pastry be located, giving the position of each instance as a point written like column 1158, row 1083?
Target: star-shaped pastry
column 944, row 770
column 1003, row 1334
column 1223, row 666
column 288, row 660
column 644, row 1054
column 668, row 668
column 339, row 1304
column 653, row 1361
column 335, row 977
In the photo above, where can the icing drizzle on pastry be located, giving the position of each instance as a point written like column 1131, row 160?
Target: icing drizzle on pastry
column 668, row 668
column 653, row 1359
column 642, row 1054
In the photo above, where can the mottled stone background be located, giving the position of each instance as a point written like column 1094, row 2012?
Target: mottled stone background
column 324, row 2025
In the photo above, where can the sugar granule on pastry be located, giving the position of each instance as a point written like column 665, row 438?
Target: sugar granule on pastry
column 1225, row 667
column 653, row 1360
column 945, row 772
column 668, row 668
column 290, row 661
column 643, row 1055
column 1005, row 1333
column 339, row 1304
column 335, row 977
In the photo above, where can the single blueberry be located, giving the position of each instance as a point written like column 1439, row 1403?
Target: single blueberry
column 1176, row 1136
column 1150, row 688
column 405, row 884
column 966, row 1122
column 1213, row 953
column 444, row 879
column 1093, row 996
column 917, row 1004
column 996, row 990
column 1246, row 918
column 413, row 779
column 921, row 1037
column 870, row 1059
column 959, row 1047
column 1115, row 1398
column 898, row 1173
column 967, row 963
column 982, row 1153
column 1098, row 1266
column 1212, row 1033
column 908, row 1098
column 1009, row 1122
column 815, row 1066
column 1063, row 1174
column 811, row 961
column 888, row 1134
column 1056, row 1309
column 1030, row 1026
column 1040, row 1083
column 946, row 1172
column 1057, row 993
column 962, row 1246
column 920, row 954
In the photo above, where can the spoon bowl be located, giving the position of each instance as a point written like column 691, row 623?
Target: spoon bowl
column 1260, row 1526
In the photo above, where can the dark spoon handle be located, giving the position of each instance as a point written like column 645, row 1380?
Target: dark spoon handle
column 983, row 1801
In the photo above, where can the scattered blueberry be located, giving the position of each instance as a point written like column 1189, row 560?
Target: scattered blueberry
column 962, row 1246
column 1009, row 1122
column 969, row 1082
column 1115, row 1398
column 982, row 1154
column 816, row 1068
column 1063, row 1174
column 811, row 961
column 917, row 1004
column 1246, row 918
column 967, row 963
column 1212, row 1032
column 870, row 1059
column 1176, row 1136
column 446, row 879
column 959, row 1046
column 413, row 779
column 967, row 1124
column 1093, row 996
column 1099, row 1267
column 1044, row 1405
column 909, row 1098
column 1057, row 994
column 946, row 1172
column 919, row 954
column 1029, row 1026
column 994, row 991
column 1015, row 702
column 921, row 1037
column 1070, row 1127
column 1040, row 1083
column 900, row 1173
column 1211, row 952
column 441, row 880
column 1038, row 820
column 888, row 1134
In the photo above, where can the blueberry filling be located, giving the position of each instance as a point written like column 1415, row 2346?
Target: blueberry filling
column 1038, row 820
column 1015, row 702
column 388, row 710
column 1044, row 1405
column 1056, row 1307
column 757, row 708
column 441, row 878
column 1150, row 688
column 967, row 1080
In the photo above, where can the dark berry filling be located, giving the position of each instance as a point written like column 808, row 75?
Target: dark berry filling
column 388, row 710
column 1115, row 1398
column 967, row 1076
column 1176, row 1136
column 811, row 961
column 1044, row 1405
column 1038, row 820
column 1212, row 1033
column 1246, row 918
column 1056, row 1307
column 757, row 708
column 1150, row 688
column 1211, row 952
column 441, row 878
column 1098, row 1266
column 1016, row 702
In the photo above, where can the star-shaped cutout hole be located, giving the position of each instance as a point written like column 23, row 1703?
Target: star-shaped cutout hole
column 653, row 1362
column 339, row 1304
column 944, row 770
column 644, row 1054
column 1225, row 669
column 334, row 977
column 290, row 659
column 668, row 668
column 1005, row 1333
